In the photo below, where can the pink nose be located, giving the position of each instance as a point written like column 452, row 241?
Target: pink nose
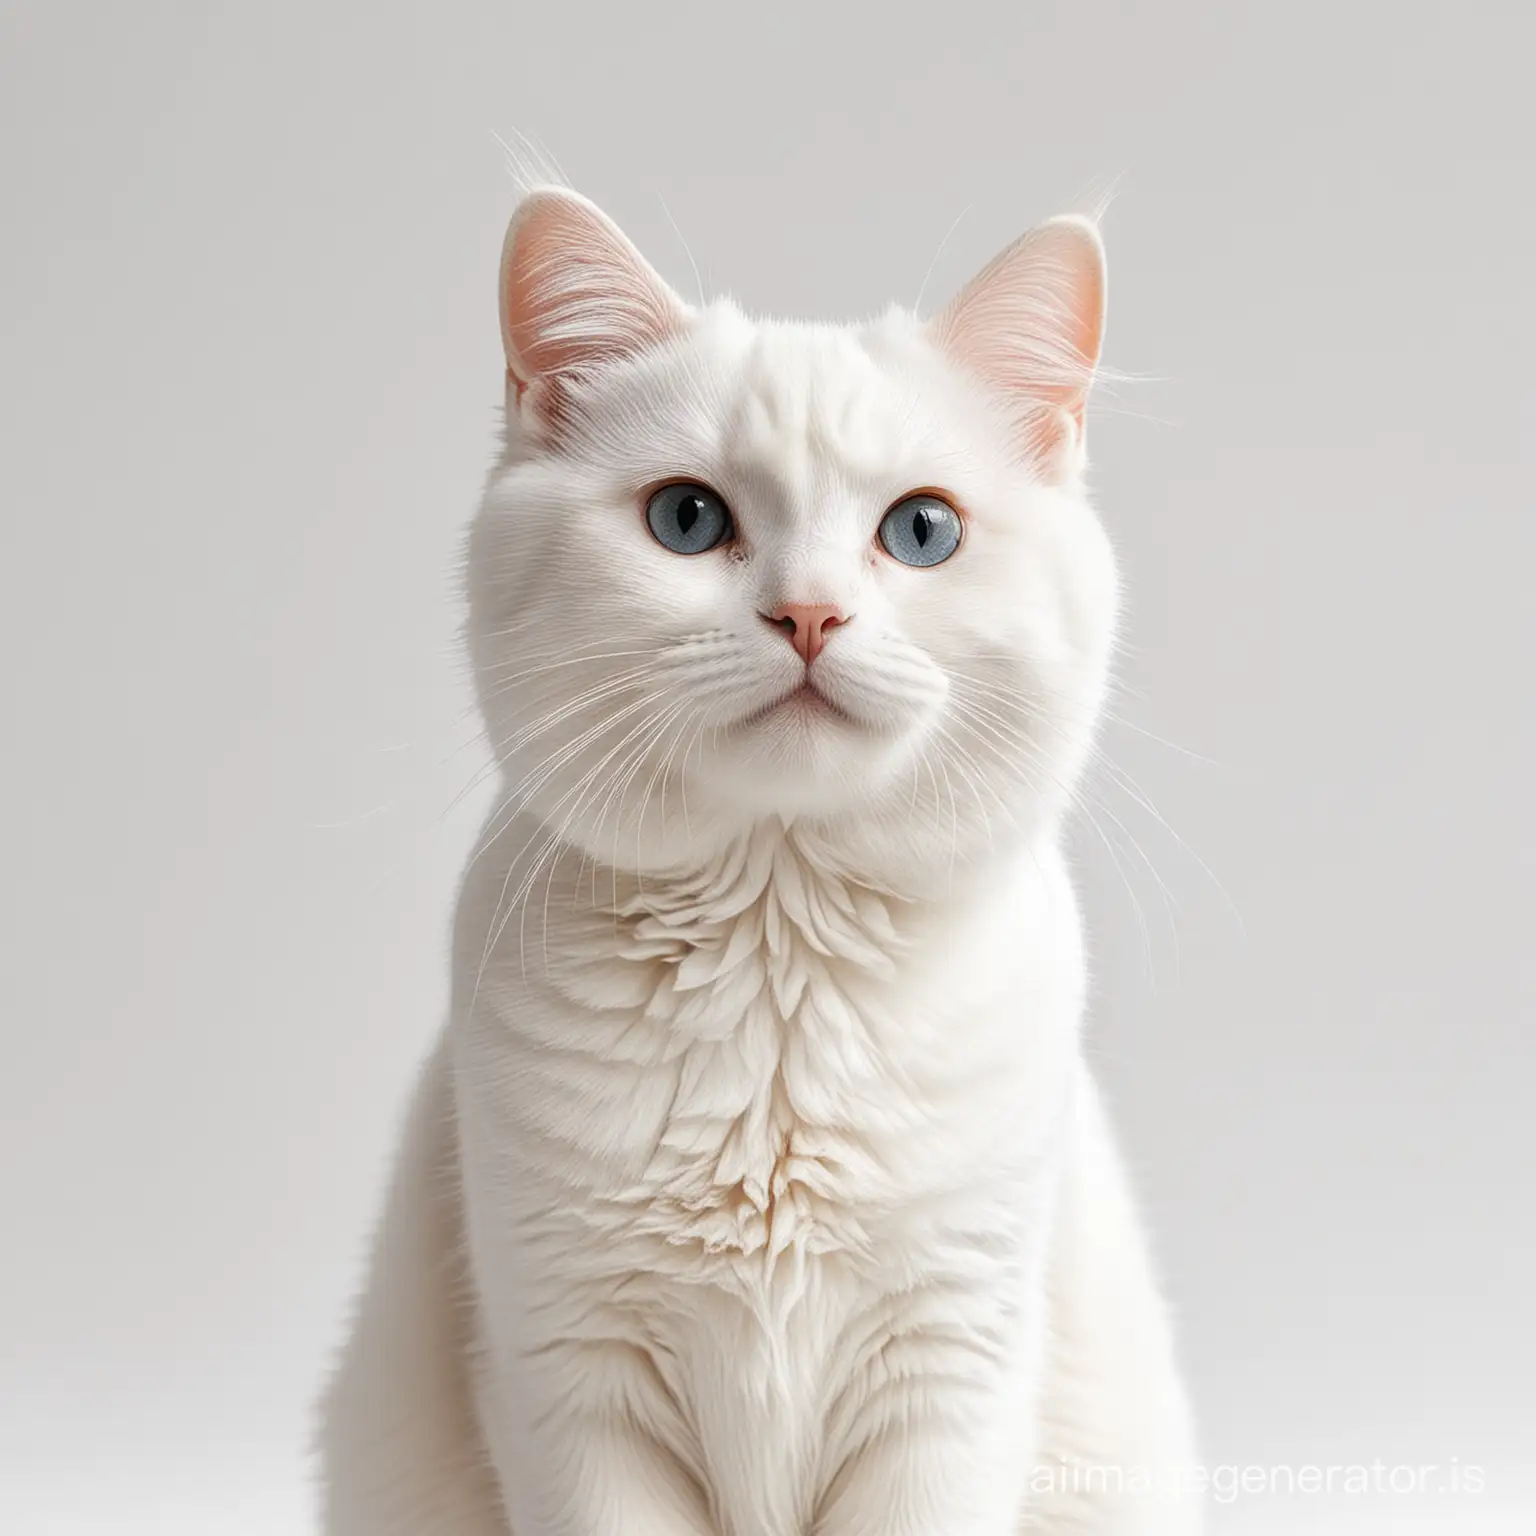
column 805, row 625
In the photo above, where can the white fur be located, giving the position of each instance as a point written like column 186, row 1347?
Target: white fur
column 757, row 1186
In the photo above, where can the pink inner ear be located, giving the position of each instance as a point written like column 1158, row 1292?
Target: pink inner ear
column 575, row 294
column 1031, row 324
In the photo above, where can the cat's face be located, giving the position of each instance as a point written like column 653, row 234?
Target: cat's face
column 730, row 571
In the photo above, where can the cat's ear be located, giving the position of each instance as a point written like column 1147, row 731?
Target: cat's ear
column 1031, row 325
column 575, row 296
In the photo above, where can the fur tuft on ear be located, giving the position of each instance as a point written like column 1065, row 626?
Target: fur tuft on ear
column 575, row 295
column 1031, row 324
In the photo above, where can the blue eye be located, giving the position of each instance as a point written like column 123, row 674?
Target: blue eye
column 688, row 519
column 921, row 530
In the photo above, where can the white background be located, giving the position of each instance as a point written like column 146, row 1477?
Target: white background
column 250, row 382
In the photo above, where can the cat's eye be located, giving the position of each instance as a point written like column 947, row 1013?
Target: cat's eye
column 688, row 518
column 920, row 530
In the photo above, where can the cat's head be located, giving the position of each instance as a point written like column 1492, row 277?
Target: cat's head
column 729, row 570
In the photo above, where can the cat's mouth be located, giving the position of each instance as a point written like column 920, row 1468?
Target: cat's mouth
column 806, row 702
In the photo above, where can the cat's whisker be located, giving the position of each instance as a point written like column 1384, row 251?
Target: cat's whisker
column 522, row 795
column 560, row 839
column 1100, row 757
column 500, row 919
column 504, row 751
column 995, row 739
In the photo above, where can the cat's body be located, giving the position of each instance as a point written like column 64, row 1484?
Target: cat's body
column 757, row 1187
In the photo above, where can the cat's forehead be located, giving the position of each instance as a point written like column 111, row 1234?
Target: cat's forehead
column 804, row 403
column 785, row 417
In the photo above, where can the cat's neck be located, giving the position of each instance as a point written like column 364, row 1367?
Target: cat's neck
column 866, row 901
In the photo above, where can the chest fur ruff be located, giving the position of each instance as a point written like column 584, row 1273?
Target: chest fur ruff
column 769, row 1060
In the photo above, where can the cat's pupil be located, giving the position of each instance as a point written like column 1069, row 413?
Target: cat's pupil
column 921, row 526
column 688, row 510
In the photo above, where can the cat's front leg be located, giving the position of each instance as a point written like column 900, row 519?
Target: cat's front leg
column 585, row 1444
column 938, row 1430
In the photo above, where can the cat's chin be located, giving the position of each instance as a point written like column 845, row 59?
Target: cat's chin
column 804, row 755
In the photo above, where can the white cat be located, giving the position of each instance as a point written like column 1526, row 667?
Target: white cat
column 757, row 1186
